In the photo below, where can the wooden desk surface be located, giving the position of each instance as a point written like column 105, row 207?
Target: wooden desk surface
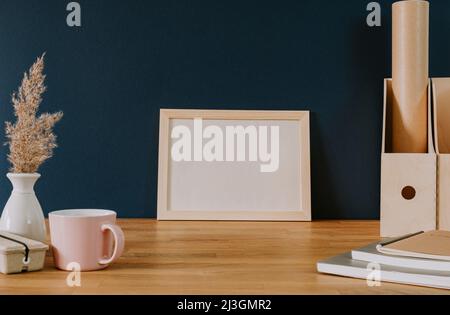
column 220, row 258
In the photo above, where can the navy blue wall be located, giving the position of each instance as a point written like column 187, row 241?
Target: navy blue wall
column 132, row 57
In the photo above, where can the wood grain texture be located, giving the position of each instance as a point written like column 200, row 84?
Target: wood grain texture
column 220, row 258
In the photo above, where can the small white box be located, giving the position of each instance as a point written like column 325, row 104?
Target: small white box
column 408, row 181
column 18, row 254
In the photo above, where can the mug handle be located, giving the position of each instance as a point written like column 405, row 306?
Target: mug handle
column 119, row 243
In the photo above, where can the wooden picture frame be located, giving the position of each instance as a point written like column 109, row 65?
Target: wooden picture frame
column 290, row 180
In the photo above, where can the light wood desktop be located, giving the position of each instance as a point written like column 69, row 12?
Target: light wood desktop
column 220, row 258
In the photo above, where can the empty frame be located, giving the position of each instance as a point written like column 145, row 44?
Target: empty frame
column 234, row 165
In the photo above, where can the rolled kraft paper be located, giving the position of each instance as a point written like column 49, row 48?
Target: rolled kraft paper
column 410, row 24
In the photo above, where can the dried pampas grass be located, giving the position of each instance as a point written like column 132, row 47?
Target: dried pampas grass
column 31, row 139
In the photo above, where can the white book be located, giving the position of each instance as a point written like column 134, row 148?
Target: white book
column 370, row 253
column 345, row 266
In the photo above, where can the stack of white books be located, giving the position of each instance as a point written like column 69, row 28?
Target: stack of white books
column 421, row 259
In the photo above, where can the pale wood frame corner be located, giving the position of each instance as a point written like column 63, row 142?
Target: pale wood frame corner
column 304, row 214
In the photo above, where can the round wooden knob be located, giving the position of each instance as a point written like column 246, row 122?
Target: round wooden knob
column 409, row 193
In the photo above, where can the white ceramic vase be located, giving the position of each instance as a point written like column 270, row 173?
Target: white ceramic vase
column 23, row 214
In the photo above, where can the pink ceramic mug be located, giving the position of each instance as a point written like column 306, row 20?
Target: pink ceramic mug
column 87, row 237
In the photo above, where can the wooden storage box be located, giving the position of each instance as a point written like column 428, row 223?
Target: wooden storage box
column 18, row 254
column 441, row 103
column 408, row 181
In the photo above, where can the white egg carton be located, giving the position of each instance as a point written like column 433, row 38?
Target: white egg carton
column 19, row 254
